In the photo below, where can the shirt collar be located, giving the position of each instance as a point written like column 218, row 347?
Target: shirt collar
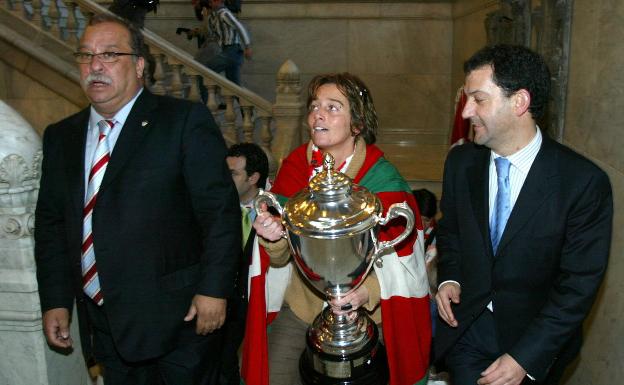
column 250, row 203
column 121, row 115
column 524, row 158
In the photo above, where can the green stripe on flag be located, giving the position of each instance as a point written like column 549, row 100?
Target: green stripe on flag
column 384, row 177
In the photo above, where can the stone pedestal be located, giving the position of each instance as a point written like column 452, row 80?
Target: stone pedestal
column 27, row 359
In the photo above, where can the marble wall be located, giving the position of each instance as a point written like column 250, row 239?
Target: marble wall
column 37, row 103
column 468, row 36
column 593, row 126
column 402, row 50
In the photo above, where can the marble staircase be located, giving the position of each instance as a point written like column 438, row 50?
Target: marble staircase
column 48, row 35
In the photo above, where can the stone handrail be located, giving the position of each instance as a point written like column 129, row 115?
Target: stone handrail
column 176, row 73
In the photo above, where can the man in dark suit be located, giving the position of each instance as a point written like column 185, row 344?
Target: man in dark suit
column 137, row 222
column 249, row 166
column 525, row 233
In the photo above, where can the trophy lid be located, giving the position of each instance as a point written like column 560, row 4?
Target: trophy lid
column 332, row 206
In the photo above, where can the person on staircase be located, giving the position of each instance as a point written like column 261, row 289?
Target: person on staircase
column 232, row 37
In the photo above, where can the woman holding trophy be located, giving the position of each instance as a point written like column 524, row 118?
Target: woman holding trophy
column 343, row 123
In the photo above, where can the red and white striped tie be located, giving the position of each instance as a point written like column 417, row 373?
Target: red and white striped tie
column 90, row 279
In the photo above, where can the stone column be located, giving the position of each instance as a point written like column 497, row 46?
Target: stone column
column 26, row 357
column 287, row 111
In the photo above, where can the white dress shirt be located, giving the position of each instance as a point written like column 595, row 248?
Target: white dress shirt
column 93, row 133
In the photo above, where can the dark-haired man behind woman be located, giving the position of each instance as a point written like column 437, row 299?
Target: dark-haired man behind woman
column 249, row 166
column 525, row 232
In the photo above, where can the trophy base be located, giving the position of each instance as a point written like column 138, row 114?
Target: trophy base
column 366, row 367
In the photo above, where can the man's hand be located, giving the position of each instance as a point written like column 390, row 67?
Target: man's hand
column 448, row 293
column 56, row 327
column 504, row 371
column 210, row 312
column 247, row 53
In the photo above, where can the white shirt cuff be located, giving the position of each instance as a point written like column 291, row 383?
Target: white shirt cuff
column 450, row 280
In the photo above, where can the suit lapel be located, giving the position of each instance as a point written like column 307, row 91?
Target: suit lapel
column 249, row 246
column 537, row 189
column 75, row 158
column 478, row 181
column 132, row 133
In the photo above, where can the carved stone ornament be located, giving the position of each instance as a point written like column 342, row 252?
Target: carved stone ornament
column 20, row 170
column 15, row 172
column 544, row 26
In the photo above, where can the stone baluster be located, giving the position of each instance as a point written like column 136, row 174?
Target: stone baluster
column 177, row 86
column 72, row 24
column 54, row 15
column 265, row 142
column 287, row 110
column 16, row 6
column 87, row 15
column 265, row 132
column 193, row 86
column 212, row 104
column 247, row 123
column 159, row 87
column 35, row 18
column 82, row 19
column 228, row 127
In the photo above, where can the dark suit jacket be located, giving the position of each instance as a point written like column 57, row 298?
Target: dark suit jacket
column 166, row 223
column 551, row 257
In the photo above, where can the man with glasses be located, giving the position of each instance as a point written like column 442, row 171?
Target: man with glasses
column 134, row 190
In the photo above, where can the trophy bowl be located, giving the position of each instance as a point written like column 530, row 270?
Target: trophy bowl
column 331, row 227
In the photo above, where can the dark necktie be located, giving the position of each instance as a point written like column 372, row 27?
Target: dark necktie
column 246, row 221
column 90, row 279
column 502, row 206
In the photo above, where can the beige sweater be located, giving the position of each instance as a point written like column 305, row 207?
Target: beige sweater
column 302, row 299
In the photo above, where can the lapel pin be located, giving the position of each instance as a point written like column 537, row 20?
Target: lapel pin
column 144, row 123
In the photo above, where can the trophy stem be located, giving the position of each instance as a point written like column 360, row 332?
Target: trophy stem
column 343, row 350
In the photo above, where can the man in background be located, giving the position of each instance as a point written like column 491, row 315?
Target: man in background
column 525, row 233
column 136, row 219
column 249, row 166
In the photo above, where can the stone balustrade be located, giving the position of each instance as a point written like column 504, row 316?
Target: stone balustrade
column 59, row 24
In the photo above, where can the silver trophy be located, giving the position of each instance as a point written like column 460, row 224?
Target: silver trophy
column 332, row 228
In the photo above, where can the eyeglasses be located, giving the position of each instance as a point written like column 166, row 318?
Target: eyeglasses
column 104, row 57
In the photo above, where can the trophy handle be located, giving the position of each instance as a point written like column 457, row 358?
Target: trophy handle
column 396, row 210
column 269, row 198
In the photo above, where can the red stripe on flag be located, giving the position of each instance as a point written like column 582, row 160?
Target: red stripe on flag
column 410, row 330
column 255, row 367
